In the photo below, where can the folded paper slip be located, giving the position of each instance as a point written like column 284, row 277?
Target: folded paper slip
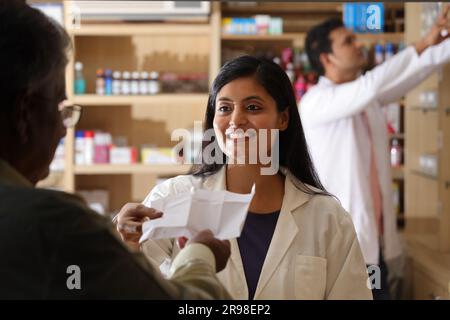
column 185, row 214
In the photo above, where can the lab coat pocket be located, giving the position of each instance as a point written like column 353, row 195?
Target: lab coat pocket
column 310, row 277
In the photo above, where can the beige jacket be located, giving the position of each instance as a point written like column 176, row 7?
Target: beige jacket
column 314, row 253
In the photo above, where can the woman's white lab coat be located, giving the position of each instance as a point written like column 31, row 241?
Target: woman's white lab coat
column 332, row 117
column 314, row 253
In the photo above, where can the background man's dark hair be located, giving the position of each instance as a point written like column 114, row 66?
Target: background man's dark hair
column 318, row 41
column 33, row 48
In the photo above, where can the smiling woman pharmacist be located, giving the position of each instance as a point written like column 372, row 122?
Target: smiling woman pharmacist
column 297, row 241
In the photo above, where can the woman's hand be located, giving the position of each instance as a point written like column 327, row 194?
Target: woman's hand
column 130, row 220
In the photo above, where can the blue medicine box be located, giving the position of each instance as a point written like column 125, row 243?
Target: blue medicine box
column 364, row 17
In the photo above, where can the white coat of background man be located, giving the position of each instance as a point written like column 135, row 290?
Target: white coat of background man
column 346, row 129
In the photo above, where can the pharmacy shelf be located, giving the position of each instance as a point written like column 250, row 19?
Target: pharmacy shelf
column 131, row 29
column 97, row 100
column 424, row 109
column 364, row 37
column 262, row 7
column 397, row 172
column 397, row 136
column 269, row 7
column 424, row 174
column 394, row 37
column 156, row 169
column 268, row 37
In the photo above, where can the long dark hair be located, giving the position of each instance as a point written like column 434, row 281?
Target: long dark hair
column 294, row 154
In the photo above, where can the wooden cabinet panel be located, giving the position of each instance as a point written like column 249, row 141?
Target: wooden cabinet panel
column 427, row 133
column 426, row 289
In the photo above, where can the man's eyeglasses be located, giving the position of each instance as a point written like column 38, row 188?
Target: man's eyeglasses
column 70, row 114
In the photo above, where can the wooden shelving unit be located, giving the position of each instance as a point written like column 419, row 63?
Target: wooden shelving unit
column 268, row 37
column 398, row 173
column 282, row 7
column 423, row 174
column 427, row 196
column 431, row 268
column 397, row 136
column 146, row 29
column 160, row 46
column 143, row 120
column 179, row 99
column 116, row 169
column 364, row 37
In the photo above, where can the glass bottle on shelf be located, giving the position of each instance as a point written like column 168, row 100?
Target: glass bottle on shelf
column 80, row 83
column 126, row 83
column 108, row 82
column 389, row 53
column 379, row 55
column 143, row 83
column 134, row 83
column 100, row 83
column 396, row 153
column 79, row 148
column 89, row 147
column 153, row 84
column 116, row 83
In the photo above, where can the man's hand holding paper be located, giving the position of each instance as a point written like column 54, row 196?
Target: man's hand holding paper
column 185, row 214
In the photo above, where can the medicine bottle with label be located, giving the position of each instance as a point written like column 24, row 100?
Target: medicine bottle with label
column 153, row 84
column 396, row 153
